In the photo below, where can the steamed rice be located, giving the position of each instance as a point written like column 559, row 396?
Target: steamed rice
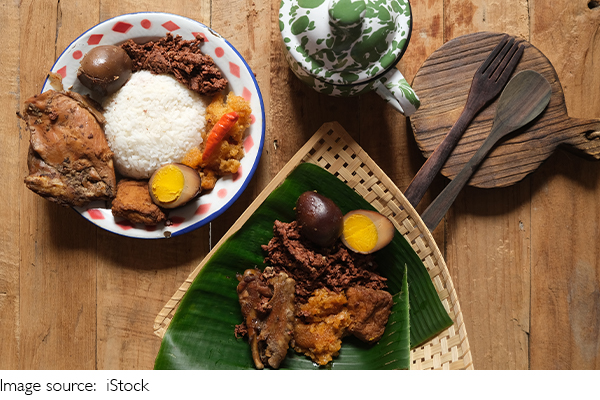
column 151, row 121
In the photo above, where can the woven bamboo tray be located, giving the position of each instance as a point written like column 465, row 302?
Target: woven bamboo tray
column 332, row 148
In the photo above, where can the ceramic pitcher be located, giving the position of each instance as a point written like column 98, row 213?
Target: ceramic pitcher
column 349, row 47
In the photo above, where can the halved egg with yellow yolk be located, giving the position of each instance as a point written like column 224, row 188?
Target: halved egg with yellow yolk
column 173, row 185
column 366, row 231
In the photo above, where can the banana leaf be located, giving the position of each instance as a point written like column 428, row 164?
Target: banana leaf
column 200, row 336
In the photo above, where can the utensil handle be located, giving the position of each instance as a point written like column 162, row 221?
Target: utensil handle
column 581, row 136
column 422, row 180
column 438, row 208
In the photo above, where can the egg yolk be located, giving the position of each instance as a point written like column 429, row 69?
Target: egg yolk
column 168, row 184
column 360, row 232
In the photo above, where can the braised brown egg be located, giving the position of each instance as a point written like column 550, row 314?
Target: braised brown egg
column 104, row 69
column 319, row 217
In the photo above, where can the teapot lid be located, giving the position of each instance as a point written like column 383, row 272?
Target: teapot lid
column 345, row 42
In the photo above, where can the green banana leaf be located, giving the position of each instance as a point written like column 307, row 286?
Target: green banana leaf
column 200, row 336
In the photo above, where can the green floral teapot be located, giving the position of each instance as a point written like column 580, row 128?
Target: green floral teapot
column 349, row 47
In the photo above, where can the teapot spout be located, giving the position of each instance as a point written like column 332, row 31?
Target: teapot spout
column 395, row 90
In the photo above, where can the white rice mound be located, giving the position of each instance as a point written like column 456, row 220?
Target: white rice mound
column 151, row 121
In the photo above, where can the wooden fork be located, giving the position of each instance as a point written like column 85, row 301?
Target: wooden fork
column 488, row 81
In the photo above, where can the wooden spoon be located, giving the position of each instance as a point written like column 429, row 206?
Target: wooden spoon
column 523, row 99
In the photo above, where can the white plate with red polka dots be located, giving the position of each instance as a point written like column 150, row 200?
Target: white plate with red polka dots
column 151, row 26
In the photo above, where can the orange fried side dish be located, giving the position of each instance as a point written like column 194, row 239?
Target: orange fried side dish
column 226, row 160
column 327, row 320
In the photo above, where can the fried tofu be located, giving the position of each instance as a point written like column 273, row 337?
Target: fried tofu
column 369, row 310
column 133, row 203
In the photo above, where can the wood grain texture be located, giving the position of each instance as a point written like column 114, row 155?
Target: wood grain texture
column 524, row 258
column 10, row 238
column 565, row 213
column 58, row 269
column 487, row 232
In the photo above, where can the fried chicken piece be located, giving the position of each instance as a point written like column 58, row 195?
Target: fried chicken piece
column 252, row 294
column 267, row 304
column 133, row 202
column 369, row 310
column 69, row 160
column 277, row 331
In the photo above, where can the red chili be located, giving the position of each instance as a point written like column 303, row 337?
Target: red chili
column 218, row 132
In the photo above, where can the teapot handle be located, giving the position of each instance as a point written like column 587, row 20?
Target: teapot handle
column 394, row 89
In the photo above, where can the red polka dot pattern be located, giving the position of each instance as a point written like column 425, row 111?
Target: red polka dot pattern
column 176, row 221
column 234, row 69
column 94, row 213
column 94, row 39
column 125, row 225
column 170, row 26
column 203, row 209
column 248, row 144
column 62, row 72
column 238, row 174
column 246, row 94
column 122, row 27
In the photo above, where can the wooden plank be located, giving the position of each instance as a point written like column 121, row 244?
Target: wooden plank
column 197, row 10
column 9, row 167
column 237, row 22
column 487, row 232
column 58, row 268
column 137, row 277
column 467, row 16
column 404, row 161
column 565, row 301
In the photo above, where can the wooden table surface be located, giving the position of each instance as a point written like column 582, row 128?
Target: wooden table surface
column 525, row 259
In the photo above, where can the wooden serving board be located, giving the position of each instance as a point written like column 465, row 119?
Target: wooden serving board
column 443, row 83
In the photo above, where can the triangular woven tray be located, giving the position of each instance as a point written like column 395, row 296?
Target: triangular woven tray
column 332, row 148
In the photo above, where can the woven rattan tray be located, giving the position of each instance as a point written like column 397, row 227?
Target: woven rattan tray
column 332, row 148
